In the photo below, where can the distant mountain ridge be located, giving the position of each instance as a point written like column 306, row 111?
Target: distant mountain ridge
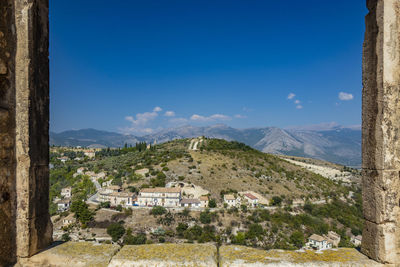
column 335, row 144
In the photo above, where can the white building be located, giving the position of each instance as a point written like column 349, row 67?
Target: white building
column 63, row 204
column 111, row 188
column 230, row 200
column 63, row 159
column 106, row 183
column 356, row 240
column 318, row 242
column 66, row 192
column 160, row 196
column 117, row 198
column 114, row 195
column 204, row 201
column 191, row 203
column 251, row 199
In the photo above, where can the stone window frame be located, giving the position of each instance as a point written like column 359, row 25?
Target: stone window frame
column 25, row 226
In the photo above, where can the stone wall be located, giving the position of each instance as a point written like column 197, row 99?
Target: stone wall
column 7, row 132
column 190, row 255
column 25, row 225
column 381, row 131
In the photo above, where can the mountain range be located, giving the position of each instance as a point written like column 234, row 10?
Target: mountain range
column 335, row 144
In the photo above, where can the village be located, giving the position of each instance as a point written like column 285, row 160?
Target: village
column 175, row 196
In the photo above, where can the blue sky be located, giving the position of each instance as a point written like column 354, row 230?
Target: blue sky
column 141, row 66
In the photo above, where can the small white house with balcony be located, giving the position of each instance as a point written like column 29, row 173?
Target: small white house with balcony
column 318, row 242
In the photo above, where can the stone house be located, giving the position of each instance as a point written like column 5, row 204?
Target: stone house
column 356, row 240
column 204, row 201
column 114, row 195
column 63, row 159
column 230, row 200
column 318, row 242
column 64, row 204
column 251, row 199
column 191, row 203
column 160, row 196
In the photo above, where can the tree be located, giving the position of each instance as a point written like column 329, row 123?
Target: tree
column 255, row 230
column 158, row 210
column 106, row 204
column 82, row 212
column 116, row 231
column 65, row 237
column 186, row 212
column 297, row 239
column 138, row 239
column 239, row 239
column 205, row 217
column 243, row 207
column 181, row 228
column 276, row 201
column 212, row 203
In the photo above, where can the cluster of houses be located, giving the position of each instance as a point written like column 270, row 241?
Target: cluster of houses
column 330, row 240
column 64, row 203
column 115, row 196
column 168, row 197
column 248, row 199
column 149, row 197
column 90, row 153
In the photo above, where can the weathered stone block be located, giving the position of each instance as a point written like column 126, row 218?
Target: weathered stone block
column 381, row 195
column 381, row 241
column 381, row 91
column 239, row 256
column 166, row 255
column 77, row 254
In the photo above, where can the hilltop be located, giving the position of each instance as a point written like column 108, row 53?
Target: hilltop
column 335, row 144
column 220, row 165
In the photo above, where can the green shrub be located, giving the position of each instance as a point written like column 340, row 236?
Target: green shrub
column 116, row 231
column 158, row 210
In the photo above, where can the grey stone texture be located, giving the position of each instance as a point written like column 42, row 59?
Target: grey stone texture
column 381, row 131
column 25, row 225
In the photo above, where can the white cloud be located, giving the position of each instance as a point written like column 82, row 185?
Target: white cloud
column 238, row 116
column 297, row 101
column 291, row 96
column 215, row 117
column 169, row 114
column 345, row 96
column 299, row 106
column 143, row 118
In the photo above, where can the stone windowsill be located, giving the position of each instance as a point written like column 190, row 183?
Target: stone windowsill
column 79, row 254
